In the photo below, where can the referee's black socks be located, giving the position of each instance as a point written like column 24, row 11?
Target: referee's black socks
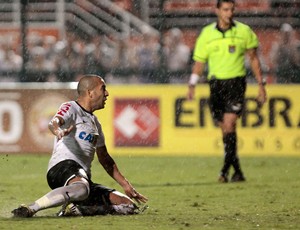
column 230, row 158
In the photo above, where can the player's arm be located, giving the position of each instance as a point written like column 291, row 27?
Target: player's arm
column 197, row 71
column 54, row 125
column 111, row 168
column 256, row 69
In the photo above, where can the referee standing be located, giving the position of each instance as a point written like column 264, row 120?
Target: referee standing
column 223, row 45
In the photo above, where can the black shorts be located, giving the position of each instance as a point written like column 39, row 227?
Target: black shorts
column 60, row 174
column 227, row 96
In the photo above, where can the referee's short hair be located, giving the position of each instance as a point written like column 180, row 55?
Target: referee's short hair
column 219, row 2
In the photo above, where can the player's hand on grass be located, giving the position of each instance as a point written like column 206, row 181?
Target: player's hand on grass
column 139, row 197
column 133, row 194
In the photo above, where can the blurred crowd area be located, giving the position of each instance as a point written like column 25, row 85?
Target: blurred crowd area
column 145, row 58
column 135, row 59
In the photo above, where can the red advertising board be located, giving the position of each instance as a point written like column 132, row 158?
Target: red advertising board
column 136, row 122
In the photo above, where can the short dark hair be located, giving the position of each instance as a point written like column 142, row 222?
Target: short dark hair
column 219, row 2
column 87, row 82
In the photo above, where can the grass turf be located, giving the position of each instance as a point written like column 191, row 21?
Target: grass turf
column 183, row 193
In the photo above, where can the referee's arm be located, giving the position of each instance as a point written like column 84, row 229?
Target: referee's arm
column 256, row 69
column 197, row 71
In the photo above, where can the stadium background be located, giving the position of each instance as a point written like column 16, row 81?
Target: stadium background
column 139, row 118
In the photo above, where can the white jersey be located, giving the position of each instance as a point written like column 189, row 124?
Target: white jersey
column 80, row 144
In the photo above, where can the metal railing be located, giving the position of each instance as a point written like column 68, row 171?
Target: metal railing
column 90, row 16
column 192, row 14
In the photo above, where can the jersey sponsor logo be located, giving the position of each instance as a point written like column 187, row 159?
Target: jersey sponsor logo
column 92, row 138
column 64, row 109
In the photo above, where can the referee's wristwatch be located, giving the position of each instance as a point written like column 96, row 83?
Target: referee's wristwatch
column 263, row 83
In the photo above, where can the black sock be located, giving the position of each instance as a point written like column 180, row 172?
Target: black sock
column 230, row 158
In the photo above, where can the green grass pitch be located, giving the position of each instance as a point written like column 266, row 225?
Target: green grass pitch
column 183, row 193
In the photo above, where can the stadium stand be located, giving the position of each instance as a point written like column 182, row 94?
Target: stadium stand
column 120, row 23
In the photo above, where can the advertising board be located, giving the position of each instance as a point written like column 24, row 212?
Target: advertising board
column 155, row 120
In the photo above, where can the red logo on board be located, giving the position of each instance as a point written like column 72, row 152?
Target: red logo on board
column 136, row 122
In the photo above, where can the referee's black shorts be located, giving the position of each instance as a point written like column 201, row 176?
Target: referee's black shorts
column 227, row 96
column 60, row 174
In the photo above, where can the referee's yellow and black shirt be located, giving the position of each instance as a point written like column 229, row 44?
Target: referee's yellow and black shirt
column 224, row 52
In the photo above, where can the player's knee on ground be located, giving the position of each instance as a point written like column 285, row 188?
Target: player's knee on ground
column 119, row 198
column 122, row 204
column 78, row 190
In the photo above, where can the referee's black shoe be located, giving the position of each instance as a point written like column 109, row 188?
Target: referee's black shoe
column 223, row 179
column 238, row 177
